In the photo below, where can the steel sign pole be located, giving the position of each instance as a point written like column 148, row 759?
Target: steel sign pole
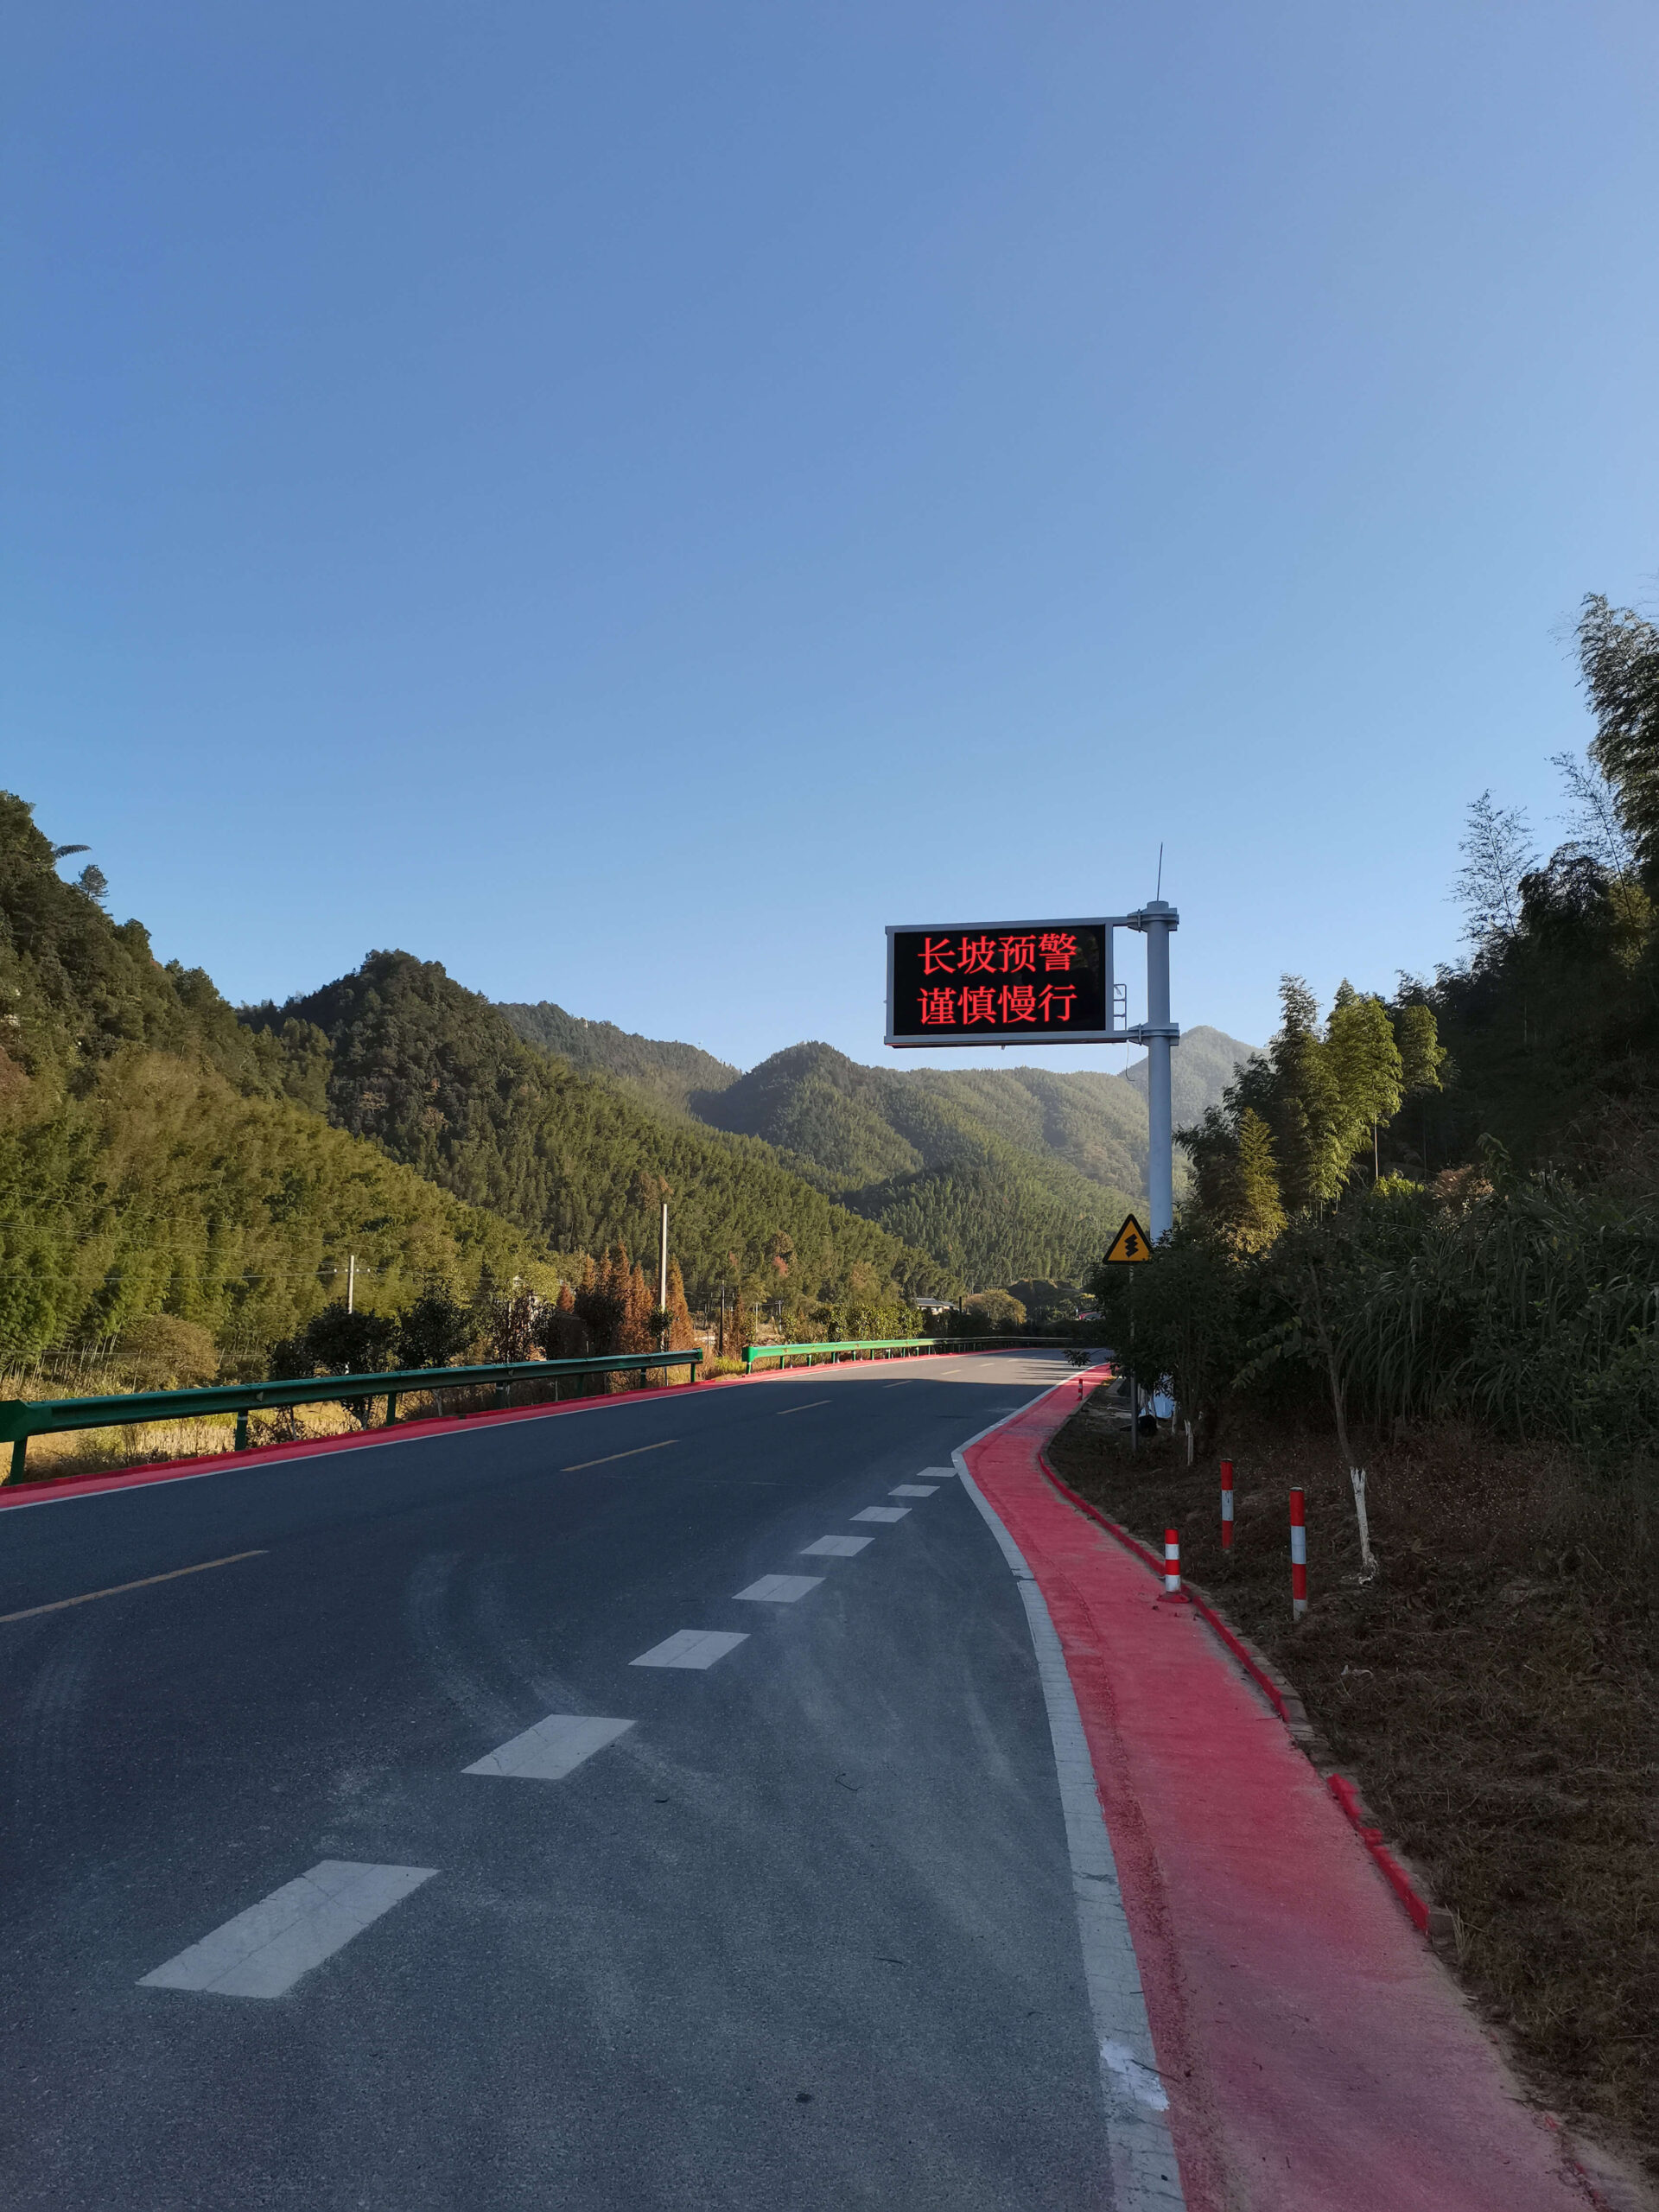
column 1157, row 918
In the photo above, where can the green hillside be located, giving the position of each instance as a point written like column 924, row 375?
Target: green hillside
column 665, row 1072
column 961, row 1165
column 998, row 1173
column 155, row 1156
column 437, row 1076
column 1090, row 1120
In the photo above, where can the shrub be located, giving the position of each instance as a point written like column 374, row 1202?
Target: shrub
column 163, row 1352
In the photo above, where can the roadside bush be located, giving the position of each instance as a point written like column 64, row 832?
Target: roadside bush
column 162, row 1353
column 434, row 1331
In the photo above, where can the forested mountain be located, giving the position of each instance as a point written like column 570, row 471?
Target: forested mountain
column 666, row 1073
column 152, row 1156
column 970, row 1166
column 437, row 1076
column 998, row 1173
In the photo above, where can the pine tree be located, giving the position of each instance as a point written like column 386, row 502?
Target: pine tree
column 681, row 1334
column 637, row 1334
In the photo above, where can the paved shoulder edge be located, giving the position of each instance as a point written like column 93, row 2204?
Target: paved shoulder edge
column 1145, row 2173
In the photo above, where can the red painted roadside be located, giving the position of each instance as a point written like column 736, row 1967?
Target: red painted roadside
column 1341, row 1788
column 1317, row 2055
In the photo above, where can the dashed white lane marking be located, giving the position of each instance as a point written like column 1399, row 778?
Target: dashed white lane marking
column 882, row 1513
column 263, row 1951
column 807, row 1408
column 579, row 1465
column 836, row 1547
column 912, row 1490
column 938, row 1475
column 552, row 1749
column 781, row 1589
column 690, row 1647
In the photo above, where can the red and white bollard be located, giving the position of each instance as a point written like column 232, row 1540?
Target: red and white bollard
column 1226, row 1505
column 1298, row 1556
column 1173, row 1593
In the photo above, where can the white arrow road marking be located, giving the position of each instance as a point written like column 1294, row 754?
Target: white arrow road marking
column 552, row 1749
column 263, row 1951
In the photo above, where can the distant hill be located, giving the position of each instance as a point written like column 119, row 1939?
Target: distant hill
column 998, row 1173
column 439, row 1079
column 1200, row 1068
column 984, row 1171
column 665, row 1072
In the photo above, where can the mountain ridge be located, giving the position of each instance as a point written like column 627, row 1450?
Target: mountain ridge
column 999, row 1172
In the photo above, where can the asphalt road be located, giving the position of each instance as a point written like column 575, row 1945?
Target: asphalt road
column 800, row 1935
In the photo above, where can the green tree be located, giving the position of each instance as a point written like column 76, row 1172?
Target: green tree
column 1256, row 1213
column 1361, row 1054
column 1619, row 662
column 1312, row 1129
column 1421, row 1054
column 433, row 1330
column 1183, row 1309
column 1497, row 852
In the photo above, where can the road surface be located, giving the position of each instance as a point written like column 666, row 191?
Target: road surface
column 543, row 1813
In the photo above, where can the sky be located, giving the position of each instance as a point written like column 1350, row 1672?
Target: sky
column 627, row 500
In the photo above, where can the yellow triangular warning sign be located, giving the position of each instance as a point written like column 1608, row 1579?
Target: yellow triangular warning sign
column 1129, row 1243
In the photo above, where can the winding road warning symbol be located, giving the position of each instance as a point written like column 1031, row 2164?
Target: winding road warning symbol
column 1129, row 1243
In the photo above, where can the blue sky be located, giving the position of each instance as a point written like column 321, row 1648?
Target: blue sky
column 629, row 500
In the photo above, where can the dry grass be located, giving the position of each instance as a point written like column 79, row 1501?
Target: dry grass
column 1493, row 1691
column 106, row 1450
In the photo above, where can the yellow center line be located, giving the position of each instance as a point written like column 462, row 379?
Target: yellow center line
column 807, row 1408
column 144, row 1582
column 609, row 1456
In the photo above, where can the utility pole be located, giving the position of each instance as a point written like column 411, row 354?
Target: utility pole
column 661, row 1277
column 351, row 1284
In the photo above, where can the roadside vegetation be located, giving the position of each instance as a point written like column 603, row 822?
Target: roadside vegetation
column 168, row 1164
column 1417, row 1275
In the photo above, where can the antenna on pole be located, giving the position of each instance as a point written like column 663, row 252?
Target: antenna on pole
column 1159, row 893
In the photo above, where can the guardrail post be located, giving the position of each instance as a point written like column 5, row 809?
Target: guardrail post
column 391, row 1409
column 19, row 1455
column 242, row 1429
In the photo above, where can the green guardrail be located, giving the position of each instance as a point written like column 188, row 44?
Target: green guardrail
column 22, row 1418
column 882, row 1347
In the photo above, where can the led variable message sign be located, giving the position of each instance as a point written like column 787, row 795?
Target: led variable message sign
column 1001, row 983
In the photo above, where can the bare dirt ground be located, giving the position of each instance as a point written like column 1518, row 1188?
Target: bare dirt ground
column 1494, row 1689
